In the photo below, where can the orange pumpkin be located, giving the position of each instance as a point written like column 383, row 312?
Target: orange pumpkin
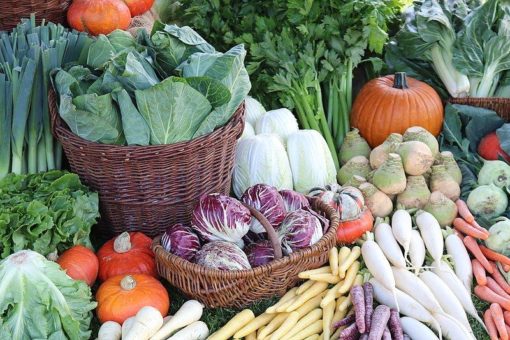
column 393, row 104
column 128, row 253
column 80, row 263
column 137, row 7
column 349, row 231
column 121, row 297
column 98, row 16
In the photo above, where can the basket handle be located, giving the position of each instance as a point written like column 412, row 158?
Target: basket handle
column 271, row 233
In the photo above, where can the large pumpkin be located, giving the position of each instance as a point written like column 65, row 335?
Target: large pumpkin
column 121, row 297
column 98, row 16
column 80, row 263
column 348, row 201
column 128, row 253
column 393, row 104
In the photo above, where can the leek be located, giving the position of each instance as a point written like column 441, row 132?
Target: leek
column 5, row 125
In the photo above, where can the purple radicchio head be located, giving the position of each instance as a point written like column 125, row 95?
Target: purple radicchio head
column 268, row 202
column 260, row 253
column 300, row 229
column 181, row 241
column 223, row 256
column 294, row 200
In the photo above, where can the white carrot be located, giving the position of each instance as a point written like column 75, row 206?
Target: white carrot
column 462, row 263
column 401, row 225
column 431, row 234
column 385, row 239
column 416, row 251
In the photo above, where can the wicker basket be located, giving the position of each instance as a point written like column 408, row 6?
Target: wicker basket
column 500, row 105
column 216, row 288
column 148, row 188
column 12, row 11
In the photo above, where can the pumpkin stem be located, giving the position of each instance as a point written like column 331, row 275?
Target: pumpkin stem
column 122, row 243
column 53, row 256
column 128, row 283
column 400, row 81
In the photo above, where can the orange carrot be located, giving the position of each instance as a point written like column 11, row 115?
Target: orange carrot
column 464, row 211
column 474, row 248
column 507, row 328
column 491, row 326
column 487, row 294
column 494, row 256
column 492, row 284
column 499, row 320
column 479, row 227
column 479, row 272
column 499, row 278
column 468, row 229
column 506, row 315
column 506, row 268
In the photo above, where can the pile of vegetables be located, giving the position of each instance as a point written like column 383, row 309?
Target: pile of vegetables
column 306, row 311
column 226, row 234
column 45, row 212
column 27, row 56
column 115, row 95
column 461, row 49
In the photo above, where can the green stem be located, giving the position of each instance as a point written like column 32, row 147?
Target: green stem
column 331, row 113
column 41, row 158
column 323, row 122
column 348, row 92
column 303, row 121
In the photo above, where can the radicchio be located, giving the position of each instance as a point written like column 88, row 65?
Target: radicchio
column 260, row 254
column 181, row 241
column 223, row 256
column 218, row 217
column 268, row 202
column 300, row 229
column 294, row 200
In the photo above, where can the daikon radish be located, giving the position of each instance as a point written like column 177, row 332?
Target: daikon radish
column 416, row 251
column 416, row 330
column 462, row 263
column 386, row 241
column 431, row 234
column 453, row 329
column 401, row 226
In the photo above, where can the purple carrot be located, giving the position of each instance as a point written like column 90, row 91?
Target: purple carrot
column 397, row 333
column 379, row 321
column 358, row 301
column 368, row 290
column 349, row 333
column 386, row 334
column 345, row 321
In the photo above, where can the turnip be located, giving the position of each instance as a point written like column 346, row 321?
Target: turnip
column 431, row 234
column 197, row 330
column 417, row 133
column 379, row 204
column 358, row 165
column 390, row 177
column 401, row 226
column 441, row 180
column 416, row 251
column 442, row 208
column 416, row 330
column 416, row 157
column 385, row 239
column 352, row 146
column 110, row 330
column 462, row 263
column 416, row 194
column 447, row 159
column 379, row 154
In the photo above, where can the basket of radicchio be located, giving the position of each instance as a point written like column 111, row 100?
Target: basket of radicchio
column 237, row 252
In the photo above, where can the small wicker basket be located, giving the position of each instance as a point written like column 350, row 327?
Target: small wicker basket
column 500, row 105
column 148, row 188
column 12, row 11
column 217, row 288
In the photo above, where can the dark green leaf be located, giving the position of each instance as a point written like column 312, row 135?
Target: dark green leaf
column 135, row 128
column 504, row 137
column 215, row 92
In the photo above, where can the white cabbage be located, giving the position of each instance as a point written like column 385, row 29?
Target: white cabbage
column 281, row 122
column 253, row 110
column 248, row 130
column 310, row 160
column 261, row 159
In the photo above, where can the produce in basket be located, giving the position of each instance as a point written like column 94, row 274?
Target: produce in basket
column 222, row 255
column 80, row 263
column 181, row 241
column 300, row 229
column 260, row 253
column 293, row 200
column 268, row 201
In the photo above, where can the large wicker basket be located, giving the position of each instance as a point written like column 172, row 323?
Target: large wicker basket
column 148, row 188
column 217, row 288
column 500, row 105
column 12, row 11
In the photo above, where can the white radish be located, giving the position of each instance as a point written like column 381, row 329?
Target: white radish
column 416, row 251
column 448, row 276
column 147, row 322
column 462, row 263
column 110, row 330
column 126, row 326
column 378, row 266
column 386, row 241
column 416, row 330
column 401, row 225
column 453, row 329
column 413, row 286
column 409, row 306
column 446, row 298
column 198, row 330
column 431, row 234
column 189, row 312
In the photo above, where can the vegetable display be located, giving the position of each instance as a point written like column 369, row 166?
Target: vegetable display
column 80, row 263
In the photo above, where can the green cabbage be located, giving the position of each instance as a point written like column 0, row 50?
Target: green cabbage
column 39, row 301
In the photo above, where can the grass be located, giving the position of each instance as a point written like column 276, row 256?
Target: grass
column 478, row 330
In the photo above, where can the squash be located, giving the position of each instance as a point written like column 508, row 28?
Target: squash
column 349, row 231
column 490, row 148
column 138, row 7
column 99, row 16
column 121, row 297
column 80, row 263
column 394, row 103
column 128, row 253
column 348, row 201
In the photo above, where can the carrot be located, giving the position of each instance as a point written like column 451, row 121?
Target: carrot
column 491, row 326
column 479, row 227
column 487, row 294
column 358, row 301
column 494, row 256
column 496, row 275
column 474, row 248
column 492, row 284
column 464, row 212
column 468, row 229
column 506, row 316
column 479, row 272
column 499, row 320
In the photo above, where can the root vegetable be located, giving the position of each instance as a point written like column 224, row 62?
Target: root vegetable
column 464, row 211
column 288, row 296
column 272, row 326
column 379, row 204
column 417, row 133
column 431, row 234
column 317, row 288
column 356, row 181
column 314, row 328
column 442, row 181
column 368, row 292
column 189, row 312
column 358, row 301
column 349, row 319
column 499, row 320
column 487, row 294
column 395, row 327
column 385, row 239
column 350, row 332
column 147, row 322
column 110, row 330
column 417, row 251
column 327, row 316
column 402, row 225
column 416, row 194
column 494, row 172
column 329, row 278
column 333, row 260
column 491, row 326
column 261, row 320
column 416, row 330
column 305, row 321
column 452, row 329
column 379, row 154
column 321, row 270
column 310, row 304
column 492, row 284
column 304, row 286
column 350, row 278
column 352, row 146
column 462, row 263
column 390, row 177
column 197, row 330
column 126, row 326
column 475, row 250
column 349, row 260
column 358, row 165
column 494, row 256
column 467, row 229
column 479, row 272
column 442, row 208
column 416, row 157
column 386, row 334
column 286, row 326
column 451, row 165
column 496, row 275
column 487, row 201
column 379, row 320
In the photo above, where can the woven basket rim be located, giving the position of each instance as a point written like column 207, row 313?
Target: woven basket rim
column 332, row 216
column 57, row 123
column 479, row 99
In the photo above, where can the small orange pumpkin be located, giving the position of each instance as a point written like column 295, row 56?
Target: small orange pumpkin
column 393, row 104
column 121, row 297
column 128, row 253
column 138, row 7
column 80, row 263
column 98, row 16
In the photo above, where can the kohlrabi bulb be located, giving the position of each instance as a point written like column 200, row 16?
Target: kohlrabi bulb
column 487, row 201
column 494, row 172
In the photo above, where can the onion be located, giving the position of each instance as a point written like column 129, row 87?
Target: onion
column 358, row 165
column 442, row 208
column 352, row 146
column 416, row 194
column 390, row 177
